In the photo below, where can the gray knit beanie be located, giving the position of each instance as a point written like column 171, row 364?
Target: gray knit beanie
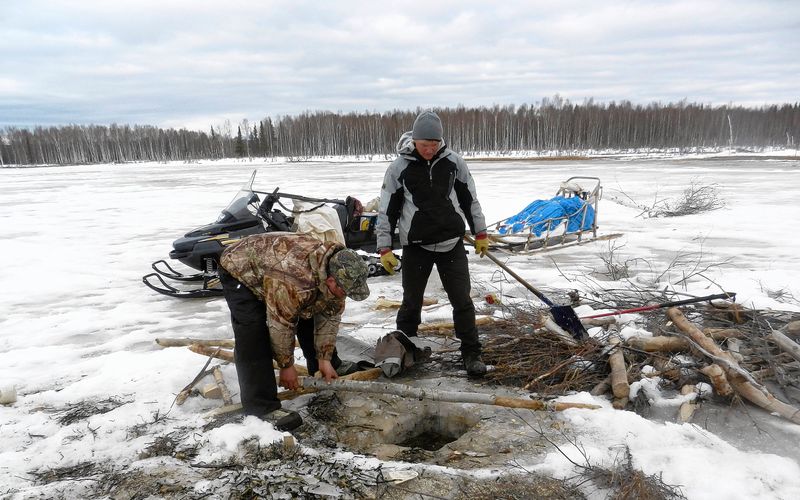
column 427, row 126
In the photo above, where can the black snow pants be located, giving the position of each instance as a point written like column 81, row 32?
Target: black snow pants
column 253, row 352
column 453, row 270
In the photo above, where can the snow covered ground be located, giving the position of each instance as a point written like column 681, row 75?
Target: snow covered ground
column 78, row 325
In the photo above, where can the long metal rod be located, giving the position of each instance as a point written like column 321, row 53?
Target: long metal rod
column 726, row 295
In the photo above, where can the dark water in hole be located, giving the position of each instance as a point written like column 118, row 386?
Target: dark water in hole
column 430, row 441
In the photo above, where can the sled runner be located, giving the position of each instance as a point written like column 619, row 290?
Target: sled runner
column 254, row 212
column 569, row 217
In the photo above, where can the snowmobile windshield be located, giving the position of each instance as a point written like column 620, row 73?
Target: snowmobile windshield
column 243, row 206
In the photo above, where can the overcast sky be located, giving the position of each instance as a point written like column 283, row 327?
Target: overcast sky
column 196, row 63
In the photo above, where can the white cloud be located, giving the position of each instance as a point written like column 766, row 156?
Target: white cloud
column 173, row 62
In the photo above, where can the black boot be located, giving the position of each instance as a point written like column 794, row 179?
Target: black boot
column 283, row 420
column 474, row 364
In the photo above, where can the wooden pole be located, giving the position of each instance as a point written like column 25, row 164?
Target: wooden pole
column 176, row 342
column 445, row 325
column 723, row 333
column 687, row 408
column 785, row 343
column 370, row 374
column 226, row 394
column 214, row 352
column 602, row 387
column 384, row 303
column 659, row 344
column 619, row 374
column 436, row 395
column 226, row 355
column 718, row 379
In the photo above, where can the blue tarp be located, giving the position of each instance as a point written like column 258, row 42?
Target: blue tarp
column 532, row 218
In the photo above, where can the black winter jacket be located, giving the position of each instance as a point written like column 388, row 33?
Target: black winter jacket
column 428, row 200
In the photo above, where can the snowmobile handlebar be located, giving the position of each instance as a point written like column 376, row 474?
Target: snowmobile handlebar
column 276, row 195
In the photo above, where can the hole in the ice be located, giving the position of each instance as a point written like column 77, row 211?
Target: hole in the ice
column 428, row 440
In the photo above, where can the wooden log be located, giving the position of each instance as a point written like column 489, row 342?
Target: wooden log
column 181, row 342
column 289, row 443
column 607, row 321
column 734, row 345
column 718, row 379
column 619, row 374
column 446, row 325
column 602, row 387
column 658, row 344
column 226, row 394
column 184, row 394
column 214, row 352
column 384, row 303
column 793, row 329
column 687, row 409
column 733, row 312
column 619, row 403
column 786, row 344
column 370, row 374
column 723, row 333
column 227, row 355
column 741, row 381
column 418, row 393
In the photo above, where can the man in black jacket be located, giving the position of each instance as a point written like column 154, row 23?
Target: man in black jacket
column 428, row 193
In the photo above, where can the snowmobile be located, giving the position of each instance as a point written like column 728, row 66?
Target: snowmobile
column 253, row 212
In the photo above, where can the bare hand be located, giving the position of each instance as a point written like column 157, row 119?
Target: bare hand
column 288, row 378
column 327, row 370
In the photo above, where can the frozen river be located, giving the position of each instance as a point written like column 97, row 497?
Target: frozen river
column 78, row 324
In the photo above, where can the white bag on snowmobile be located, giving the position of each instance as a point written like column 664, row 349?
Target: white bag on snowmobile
column 320, row 221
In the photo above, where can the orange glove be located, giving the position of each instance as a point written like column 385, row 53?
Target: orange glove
column 481, row 243
column 388, row 260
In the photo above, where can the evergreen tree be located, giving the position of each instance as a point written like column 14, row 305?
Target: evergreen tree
column 239, row 149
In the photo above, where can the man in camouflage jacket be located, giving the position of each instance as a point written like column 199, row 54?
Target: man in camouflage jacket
column 278, row 285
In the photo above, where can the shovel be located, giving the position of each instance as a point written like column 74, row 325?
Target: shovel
column 726, row 295
column 564, row 316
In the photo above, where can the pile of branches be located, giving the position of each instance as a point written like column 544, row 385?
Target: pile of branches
column 540, row 361
column 697, row 198
column 741, row 353
column 82, row 410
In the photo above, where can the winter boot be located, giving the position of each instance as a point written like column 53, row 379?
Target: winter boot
column 346, row 368
column 474, row 364
column 283, row 420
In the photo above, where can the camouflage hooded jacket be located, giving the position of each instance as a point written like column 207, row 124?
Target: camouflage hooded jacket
column 287, row 271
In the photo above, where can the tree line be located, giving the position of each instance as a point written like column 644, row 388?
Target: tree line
column 554, row 124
